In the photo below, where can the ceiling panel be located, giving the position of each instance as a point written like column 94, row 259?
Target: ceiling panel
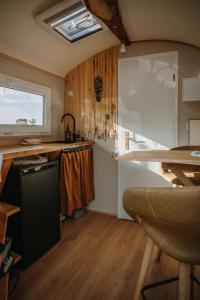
column 23, row 38
column 177, row 20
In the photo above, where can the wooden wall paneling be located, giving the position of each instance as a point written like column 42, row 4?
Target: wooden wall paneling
column 91, row 115
column 69, row 100
column 77, row 94
column 88, row 111
column 96, row 104
column 99, row 105
column 109, row 88
column 115, row 90
column 81, row 95
column 105, row 104
column 85, row 75
column 107, row 99
column 91, row 98
column 73, row 102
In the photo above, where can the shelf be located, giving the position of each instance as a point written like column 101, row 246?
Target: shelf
column 7, row 210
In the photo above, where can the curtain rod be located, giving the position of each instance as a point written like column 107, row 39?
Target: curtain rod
column 77, row 149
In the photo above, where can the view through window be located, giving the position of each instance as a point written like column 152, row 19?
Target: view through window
column 20, row 108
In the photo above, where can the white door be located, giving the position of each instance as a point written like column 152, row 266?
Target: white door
column 148, row 109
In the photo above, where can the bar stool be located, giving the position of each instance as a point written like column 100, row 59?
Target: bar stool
column 191, row 171
column 170, row 218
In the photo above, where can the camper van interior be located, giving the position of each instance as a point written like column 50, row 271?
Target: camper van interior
column 99, row 149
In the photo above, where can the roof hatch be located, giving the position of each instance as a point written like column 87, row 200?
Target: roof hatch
column 70, row 21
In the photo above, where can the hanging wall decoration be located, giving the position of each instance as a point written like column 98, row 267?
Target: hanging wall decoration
column 98, row 87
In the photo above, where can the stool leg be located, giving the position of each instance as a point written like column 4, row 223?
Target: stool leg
column 158, row 253
column 184, row 281
column 144, row 268
column 192, row 283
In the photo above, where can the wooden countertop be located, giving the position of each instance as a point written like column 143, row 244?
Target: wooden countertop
column 25, row 150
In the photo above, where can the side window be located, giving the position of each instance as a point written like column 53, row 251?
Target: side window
column 25, row 108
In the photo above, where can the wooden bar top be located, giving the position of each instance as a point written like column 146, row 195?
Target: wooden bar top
column 13, row 151
column 168, row 156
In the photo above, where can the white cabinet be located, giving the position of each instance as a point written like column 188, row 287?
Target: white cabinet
column 194, row 132
column 191, row 89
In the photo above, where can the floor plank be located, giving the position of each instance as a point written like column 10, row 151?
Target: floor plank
column 97, row 258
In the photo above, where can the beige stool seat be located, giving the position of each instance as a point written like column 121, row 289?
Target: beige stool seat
column 171, row 220
column 180, row 248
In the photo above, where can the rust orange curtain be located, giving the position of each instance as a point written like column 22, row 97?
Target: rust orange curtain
column 76, row 181
column 87, row 176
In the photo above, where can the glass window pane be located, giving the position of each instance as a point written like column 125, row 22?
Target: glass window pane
column 20, row 108
column 78, row 26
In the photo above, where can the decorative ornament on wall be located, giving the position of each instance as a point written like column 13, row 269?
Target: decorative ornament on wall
column 98, row 87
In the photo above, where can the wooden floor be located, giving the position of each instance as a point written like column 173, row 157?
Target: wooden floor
column 98, row 258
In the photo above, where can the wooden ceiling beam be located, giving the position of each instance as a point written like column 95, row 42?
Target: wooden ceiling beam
column 108, row 12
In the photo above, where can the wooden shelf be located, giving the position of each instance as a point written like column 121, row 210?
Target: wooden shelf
column 7, row 210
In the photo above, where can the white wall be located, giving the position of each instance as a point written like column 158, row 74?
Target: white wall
column 27, row 73
column 105, row 179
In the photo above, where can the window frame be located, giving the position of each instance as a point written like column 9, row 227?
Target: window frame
column 29, row 87
column 81, row 34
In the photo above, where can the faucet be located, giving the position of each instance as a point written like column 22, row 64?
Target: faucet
column 74, row 124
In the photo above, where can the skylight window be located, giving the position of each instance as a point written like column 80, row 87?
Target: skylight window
column 74, row 23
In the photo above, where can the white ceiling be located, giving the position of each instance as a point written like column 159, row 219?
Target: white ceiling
column 177, row 20
column 22, row 38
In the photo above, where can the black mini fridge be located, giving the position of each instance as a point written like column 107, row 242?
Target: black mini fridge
column 36, row 228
